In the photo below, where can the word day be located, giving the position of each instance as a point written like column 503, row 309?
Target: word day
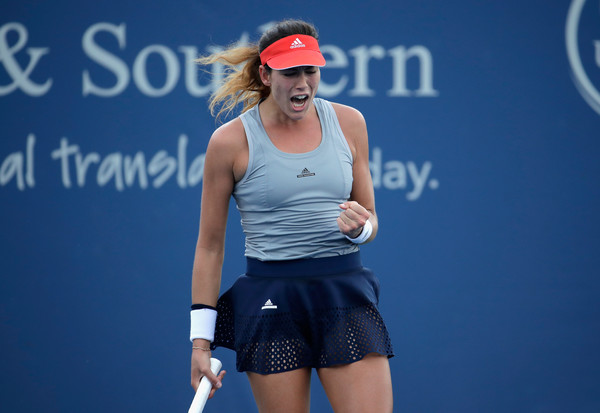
column 395, row 175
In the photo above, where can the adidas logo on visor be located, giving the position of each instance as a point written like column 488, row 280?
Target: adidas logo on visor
column 297, row 43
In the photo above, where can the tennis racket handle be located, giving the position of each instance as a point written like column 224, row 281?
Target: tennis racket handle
column 204, row 388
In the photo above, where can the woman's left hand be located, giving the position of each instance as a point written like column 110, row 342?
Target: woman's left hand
column 352, row 219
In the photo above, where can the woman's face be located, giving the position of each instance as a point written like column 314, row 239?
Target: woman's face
column 293, row 89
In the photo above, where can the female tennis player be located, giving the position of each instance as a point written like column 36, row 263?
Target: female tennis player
column 298, row 169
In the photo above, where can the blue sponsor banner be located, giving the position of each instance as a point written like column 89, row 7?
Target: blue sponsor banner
column 484, row 126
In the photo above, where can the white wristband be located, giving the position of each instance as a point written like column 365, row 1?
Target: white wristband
column 202, row 324
column 364, row 235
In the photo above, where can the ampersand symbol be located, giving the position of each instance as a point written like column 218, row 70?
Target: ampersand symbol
column 19, row 76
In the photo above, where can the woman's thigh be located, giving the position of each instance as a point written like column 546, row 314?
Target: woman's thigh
column 287, row 392
column 360, row 387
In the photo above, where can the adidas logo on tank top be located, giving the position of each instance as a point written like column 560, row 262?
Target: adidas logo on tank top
column 305, row 172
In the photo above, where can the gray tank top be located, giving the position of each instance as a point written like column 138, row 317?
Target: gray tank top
column 288, row 202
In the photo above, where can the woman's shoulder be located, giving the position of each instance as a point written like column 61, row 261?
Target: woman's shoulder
column 228, row 139
column 348, row 114
column 228, row 148
column 229, row 133
column 351, row 121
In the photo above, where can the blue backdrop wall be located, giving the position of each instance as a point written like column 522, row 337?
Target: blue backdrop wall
column 484, row 124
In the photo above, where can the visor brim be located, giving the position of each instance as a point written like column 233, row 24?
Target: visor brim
column 296, row 58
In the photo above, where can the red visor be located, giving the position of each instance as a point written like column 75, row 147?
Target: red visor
column 293, row 51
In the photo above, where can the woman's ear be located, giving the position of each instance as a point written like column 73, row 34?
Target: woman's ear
column 265, row 75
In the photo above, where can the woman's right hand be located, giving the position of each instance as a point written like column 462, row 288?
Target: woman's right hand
column 201, row 367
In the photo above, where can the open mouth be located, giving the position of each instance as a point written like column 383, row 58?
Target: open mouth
column 299, row 101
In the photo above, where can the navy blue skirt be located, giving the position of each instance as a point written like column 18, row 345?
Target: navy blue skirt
column 285, row 315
